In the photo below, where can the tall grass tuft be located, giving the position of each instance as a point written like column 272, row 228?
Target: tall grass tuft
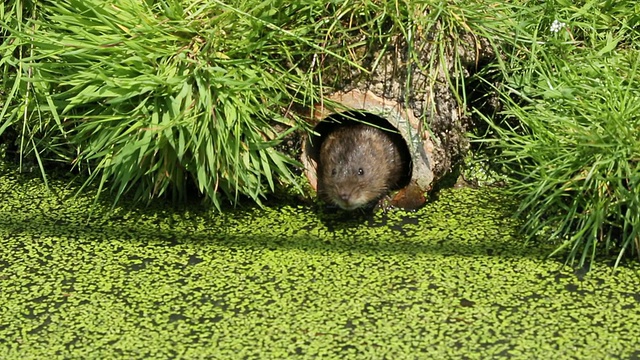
column 146, row 96
column 570, row 135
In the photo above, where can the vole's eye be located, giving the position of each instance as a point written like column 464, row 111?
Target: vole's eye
column 360, row 171
column 334, row 172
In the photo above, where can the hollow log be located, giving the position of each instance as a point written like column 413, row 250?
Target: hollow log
column 421, row 105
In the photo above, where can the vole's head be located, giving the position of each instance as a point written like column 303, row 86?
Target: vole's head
column 354, row 169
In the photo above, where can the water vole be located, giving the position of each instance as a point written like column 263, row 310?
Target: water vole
column 359, row 164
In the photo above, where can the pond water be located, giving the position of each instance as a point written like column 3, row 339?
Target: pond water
column 452, row 280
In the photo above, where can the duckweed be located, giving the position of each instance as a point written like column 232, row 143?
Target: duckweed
column 452, row 280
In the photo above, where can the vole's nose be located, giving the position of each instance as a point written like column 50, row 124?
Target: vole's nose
column 344, row 196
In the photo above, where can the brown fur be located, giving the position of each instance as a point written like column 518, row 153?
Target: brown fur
column 357, row 166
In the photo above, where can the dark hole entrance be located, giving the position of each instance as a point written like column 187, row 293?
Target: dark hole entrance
column 351, row 118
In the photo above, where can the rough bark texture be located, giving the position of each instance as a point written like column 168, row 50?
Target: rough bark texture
column 425, row 89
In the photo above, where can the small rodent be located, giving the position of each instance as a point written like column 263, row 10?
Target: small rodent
column 358, row 165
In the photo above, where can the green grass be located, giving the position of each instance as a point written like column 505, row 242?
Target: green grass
column 145, row 98
column 569, row 135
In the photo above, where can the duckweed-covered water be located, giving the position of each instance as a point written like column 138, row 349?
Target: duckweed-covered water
column 452, row 280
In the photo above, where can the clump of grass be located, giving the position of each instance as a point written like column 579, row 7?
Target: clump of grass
column 569, row 137
column 146, row 96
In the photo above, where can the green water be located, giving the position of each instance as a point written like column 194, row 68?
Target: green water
column 452, row 280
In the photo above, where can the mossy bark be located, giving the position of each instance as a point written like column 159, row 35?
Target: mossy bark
column 429, row 84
